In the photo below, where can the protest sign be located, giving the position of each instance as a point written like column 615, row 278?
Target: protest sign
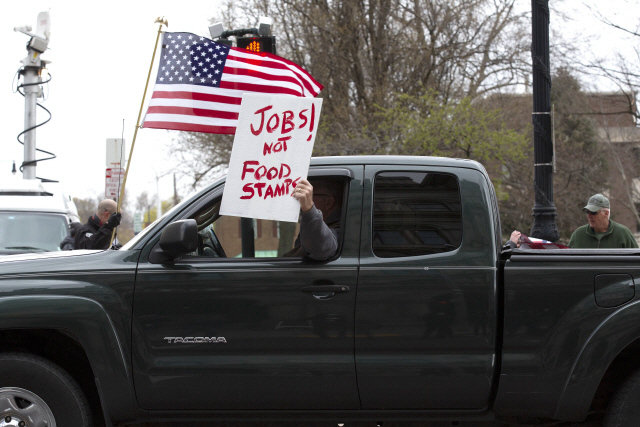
column 271, row 152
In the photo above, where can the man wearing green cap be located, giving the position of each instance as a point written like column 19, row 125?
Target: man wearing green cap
column 601, row 232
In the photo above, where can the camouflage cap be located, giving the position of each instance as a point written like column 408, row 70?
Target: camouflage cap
column 596, row 202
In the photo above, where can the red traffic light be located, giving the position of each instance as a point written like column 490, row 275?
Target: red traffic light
column 258, row 44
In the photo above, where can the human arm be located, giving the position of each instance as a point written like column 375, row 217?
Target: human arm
column 317, row 240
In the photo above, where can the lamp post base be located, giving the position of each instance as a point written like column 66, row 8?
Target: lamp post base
column 544, row 223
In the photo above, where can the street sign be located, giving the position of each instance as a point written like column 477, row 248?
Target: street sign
column 113, row 182
column 137, row 222
column 115, row 153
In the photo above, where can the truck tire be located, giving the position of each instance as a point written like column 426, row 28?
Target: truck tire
column 624, row 405
column 34, row 390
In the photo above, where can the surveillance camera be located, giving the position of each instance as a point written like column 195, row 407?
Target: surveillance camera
column 264, row 26
column 23, row 29
column 216, row 30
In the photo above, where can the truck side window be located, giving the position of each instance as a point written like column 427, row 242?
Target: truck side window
column 416, row 213
column 221, row 236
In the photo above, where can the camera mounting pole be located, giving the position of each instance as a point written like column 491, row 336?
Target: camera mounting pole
column 31, row 71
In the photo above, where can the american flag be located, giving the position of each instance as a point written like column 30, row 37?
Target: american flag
column 527, row 242
column 200, row 83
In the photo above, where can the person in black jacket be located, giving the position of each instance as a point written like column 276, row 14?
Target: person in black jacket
column 320, row 213
column 67, row 243
column 96, row 233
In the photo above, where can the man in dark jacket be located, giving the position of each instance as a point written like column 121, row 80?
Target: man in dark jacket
column 96, row 233
column 320, row 211
column 68, row 242
column 601, row 232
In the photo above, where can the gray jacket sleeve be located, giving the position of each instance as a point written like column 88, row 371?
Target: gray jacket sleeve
column 318, row 241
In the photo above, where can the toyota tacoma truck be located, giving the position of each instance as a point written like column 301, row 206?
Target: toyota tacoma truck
column 421, row 316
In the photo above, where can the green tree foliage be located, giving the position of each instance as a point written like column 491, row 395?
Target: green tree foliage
column 425, row 125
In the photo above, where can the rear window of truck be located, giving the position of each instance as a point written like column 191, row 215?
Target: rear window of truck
column 416, row 213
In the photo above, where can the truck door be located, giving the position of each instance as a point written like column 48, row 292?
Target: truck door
column 426, row 306
column 232, row 332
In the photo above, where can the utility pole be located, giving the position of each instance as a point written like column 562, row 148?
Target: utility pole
column 31, row 72
column 261, row 41
column 544, row 211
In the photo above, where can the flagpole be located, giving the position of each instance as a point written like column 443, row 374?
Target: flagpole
column 162, row 21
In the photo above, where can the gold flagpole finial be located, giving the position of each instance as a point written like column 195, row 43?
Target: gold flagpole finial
column 162, row 21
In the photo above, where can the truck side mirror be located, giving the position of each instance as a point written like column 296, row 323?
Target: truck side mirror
column 177, row 239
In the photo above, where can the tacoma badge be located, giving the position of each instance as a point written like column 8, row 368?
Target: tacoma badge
column 195, row 340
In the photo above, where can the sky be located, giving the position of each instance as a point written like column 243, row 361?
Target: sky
column 100, row 54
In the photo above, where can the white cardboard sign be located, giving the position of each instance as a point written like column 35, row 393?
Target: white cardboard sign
column 271, row 152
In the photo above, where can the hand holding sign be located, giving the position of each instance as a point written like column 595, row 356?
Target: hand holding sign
column 271, row 153
column 303, row 193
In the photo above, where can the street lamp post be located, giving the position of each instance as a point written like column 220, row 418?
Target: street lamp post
column 544, row 211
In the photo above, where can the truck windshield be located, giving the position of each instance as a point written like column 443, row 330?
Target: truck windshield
column 31, row 232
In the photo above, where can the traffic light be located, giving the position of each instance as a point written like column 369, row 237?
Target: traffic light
column 258, row 44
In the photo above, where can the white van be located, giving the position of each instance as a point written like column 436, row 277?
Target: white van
column 34, row 215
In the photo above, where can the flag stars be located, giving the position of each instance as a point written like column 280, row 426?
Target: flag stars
column 190, row 37
column 180, row 51
column 219, row 61
column 180, row 78
column 202, row 80
column 210, row 75
column 218, row 47
column 170, row 79
column 161, row 79
column 214, row 81
column 190, row 79
column 174, row 56
column 179, row 37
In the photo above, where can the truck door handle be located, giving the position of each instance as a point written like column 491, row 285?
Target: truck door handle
column 325, row 288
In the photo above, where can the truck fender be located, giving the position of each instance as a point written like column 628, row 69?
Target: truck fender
column 612, row 336
column 91, row 324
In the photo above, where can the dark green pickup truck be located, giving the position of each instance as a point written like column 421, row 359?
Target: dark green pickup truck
column 420, row 317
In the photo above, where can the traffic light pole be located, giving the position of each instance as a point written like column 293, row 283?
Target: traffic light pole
column 544, row 211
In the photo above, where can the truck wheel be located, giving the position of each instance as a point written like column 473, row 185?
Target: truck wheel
column 624, row 406
column 35, row 393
